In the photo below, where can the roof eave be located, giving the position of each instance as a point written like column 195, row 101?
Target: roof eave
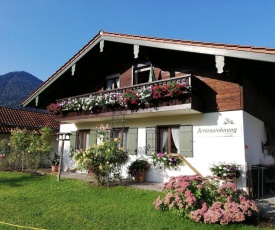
column 195, row 49
column 155, row 44
column 67, row 66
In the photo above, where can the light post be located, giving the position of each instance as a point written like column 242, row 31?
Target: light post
column 62, row 137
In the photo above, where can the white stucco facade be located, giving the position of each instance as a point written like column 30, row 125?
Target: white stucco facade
column 220, row 136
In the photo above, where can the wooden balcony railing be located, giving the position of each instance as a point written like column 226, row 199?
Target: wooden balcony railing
column 185, row 79
column 152, row 94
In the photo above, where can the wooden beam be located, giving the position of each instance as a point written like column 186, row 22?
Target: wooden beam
column 190, row 166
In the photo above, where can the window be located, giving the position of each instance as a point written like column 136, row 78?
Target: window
column 141, row 73
column 122, row 134
column 82, row 141
column 112, row 82
column 168, row 139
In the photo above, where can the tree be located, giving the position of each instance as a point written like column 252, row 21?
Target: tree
column 28, row 149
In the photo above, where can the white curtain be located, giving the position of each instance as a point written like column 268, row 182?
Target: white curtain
column 118, row 82
column 109, row 84
column 176, row 137
column 124, row 140
column 164, row 138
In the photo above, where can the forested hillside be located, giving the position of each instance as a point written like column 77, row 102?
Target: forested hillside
column 15, row 87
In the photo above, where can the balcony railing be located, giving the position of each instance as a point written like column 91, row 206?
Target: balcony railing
column 128, row 98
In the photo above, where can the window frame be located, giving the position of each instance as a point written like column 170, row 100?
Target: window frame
column 169, row 136
column 139, row 68
column 112, row 77
column 122, row 131
column 85, row 134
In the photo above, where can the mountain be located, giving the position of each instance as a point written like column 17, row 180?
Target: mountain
column 15, row 87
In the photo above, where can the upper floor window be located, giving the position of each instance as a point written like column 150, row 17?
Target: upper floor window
column 143, row 73
column 112, row 82
column 82, row 141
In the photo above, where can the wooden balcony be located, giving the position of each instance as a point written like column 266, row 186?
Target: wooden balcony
column 172, row 96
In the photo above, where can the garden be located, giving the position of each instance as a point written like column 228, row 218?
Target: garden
column 191, row 202
column 31, row 201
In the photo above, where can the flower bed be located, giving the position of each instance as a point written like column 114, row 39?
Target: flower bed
column 203, row 200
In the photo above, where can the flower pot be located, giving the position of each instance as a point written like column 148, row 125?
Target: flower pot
column 140, row 176
column 55, row 168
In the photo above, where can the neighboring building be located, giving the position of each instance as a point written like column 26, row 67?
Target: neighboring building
column 224, row 113
column 11, row 118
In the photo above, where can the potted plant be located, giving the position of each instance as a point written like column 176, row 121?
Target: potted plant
column 166, row 160
column 226, row 171
column 55, row 163
column 137, row 169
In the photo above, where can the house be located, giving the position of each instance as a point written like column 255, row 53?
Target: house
column 223, row 111
column 11, row 118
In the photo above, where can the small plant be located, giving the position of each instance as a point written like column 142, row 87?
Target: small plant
column 225, row 170
column 54, row 108
column 55, row 160
column 138, row 166
column 166, row 160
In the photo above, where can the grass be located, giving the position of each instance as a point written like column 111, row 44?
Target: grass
column 42, row 202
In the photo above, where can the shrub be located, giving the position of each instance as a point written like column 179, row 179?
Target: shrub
column 26, row 149
column 203, row 200
column 102, row 160
column 4, row 153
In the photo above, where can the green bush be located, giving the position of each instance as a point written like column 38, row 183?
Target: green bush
column 25, row 150
column 103, row 160
column 204, row 200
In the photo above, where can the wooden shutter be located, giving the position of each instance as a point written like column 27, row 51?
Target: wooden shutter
column 151, row 140
column 186, row 141
column 132, row 140
column 73, row 140
column 92, row 137
column 108, row 134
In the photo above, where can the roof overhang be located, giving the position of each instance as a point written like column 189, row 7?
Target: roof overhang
column 169, row 44
column 195, row 49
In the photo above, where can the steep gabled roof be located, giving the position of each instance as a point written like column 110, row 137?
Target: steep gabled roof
column 32, row 121
column 227, row 50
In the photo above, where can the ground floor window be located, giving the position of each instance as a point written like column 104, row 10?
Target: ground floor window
column 173, row 139
column 122, row 134
column 168, row 139
column 82, row 141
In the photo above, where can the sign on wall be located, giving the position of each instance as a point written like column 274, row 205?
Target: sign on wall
column 218, row 131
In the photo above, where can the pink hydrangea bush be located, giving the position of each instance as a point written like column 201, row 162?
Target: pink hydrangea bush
column 204, row 200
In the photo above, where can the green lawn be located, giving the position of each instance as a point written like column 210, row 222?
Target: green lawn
column 43, row 203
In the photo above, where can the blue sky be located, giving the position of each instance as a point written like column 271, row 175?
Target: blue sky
column 39, row 36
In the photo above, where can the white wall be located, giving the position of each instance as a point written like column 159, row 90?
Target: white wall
column 208, row 148
column 68, row 163
column 255, row 133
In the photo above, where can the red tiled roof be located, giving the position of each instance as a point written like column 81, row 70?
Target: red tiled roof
column 193, row 43
column 230, row 47
column 12, row 118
